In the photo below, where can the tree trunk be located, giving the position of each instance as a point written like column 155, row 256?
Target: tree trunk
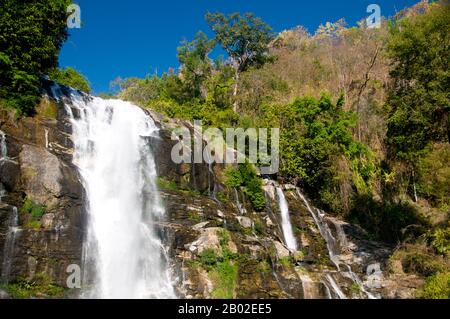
column 235, row 90
column 414, row 186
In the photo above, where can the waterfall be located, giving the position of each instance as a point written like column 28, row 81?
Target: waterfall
column 334, row 250
column 8, row 250
column 116, row 164
column 325, row 232
column 286, row 225
column 3, row 149
column 333, row 286
column 240, row 207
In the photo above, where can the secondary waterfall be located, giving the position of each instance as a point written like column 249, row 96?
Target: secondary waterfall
column 114, row 158
column 286, row 225
column 3, row 149
column 10, row 242
column 334, row 251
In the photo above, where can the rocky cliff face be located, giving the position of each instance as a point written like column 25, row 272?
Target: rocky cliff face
column 219, row 247
column 37, row 170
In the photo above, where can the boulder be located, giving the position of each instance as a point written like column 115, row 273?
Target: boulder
column 9, row 173
column 45, row 178
column 245, row 221
column 281, row 250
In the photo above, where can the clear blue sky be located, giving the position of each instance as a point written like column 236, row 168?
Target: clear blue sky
column 137, row 37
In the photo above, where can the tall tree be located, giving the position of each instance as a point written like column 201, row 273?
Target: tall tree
column 31, row 35
column 195, row 64
column 244, row 38
column 419, row 101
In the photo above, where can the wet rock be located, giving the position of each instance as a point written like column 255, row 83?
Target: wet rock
column 45, row 178
column 9, row 173
column 209, row 239
column 47, row 221
column 245, row 221
column 281, row 250
column 200, row 226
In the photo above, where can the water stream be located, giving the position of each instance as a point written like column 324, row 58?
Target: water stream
column 117, row 167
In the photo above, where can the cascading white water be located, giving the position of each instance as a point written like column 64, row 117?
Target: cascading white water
column 9, row 247
column 334, row 251
column 324, row 230
column 334, row 287
column 3, row 149
column 286, row 225
column 114, row 158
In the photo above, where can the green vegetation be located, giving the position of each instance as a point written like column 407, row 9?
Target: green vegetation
column 40, row 287
column 29, row 207
column 245, row 176
column 165, row 184
column 32, row 214
column 419, row 103
column 70, row 77
column 32, row 34
column 440, row 240
column 50, row 110
column 222, row 267
column 438, row 286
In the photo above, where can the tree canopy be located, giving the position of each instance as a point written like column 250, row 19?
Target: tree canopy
column 31, row 36
column 419, row 101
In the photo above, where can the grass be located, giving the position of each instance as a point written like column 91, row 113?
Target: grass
column 264, row 267
column 41, row 287
column 437, row 286
column 33, row 224
column 50, row 110
column 30, row 207
column 222, row 267
column 32, row 214
column 224, row 276
column 286, row 261
column 165, row 184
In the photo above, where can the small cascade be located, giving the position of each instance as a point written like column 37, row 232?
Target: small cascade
column 240, row 207
column 46, row 138
column 333, row 287
column 2, row 192
column 286, row 225
column 9, row 248
column 3, row 148
column 333, row 246
column 3, row 156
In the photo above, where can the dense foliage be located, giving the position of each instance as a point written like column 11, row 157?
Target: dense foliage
column 31, row 35
column 70, row 77
column 420, row 99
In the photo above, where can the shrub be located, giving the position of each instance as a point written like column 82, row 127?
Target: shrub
column 434, row 175
column 29, row 207
column 245, row 176
column 70, row 77
column 40, row 287
column 32, row 33
column 437, row 286
column 440, row 240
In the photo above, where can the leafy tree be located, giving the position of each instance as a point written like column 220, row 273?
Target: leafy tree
column 70, row 77
column 195, row 64
column 419, row 102
column 315, row 137
column 31, row 35
column 244, row 38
